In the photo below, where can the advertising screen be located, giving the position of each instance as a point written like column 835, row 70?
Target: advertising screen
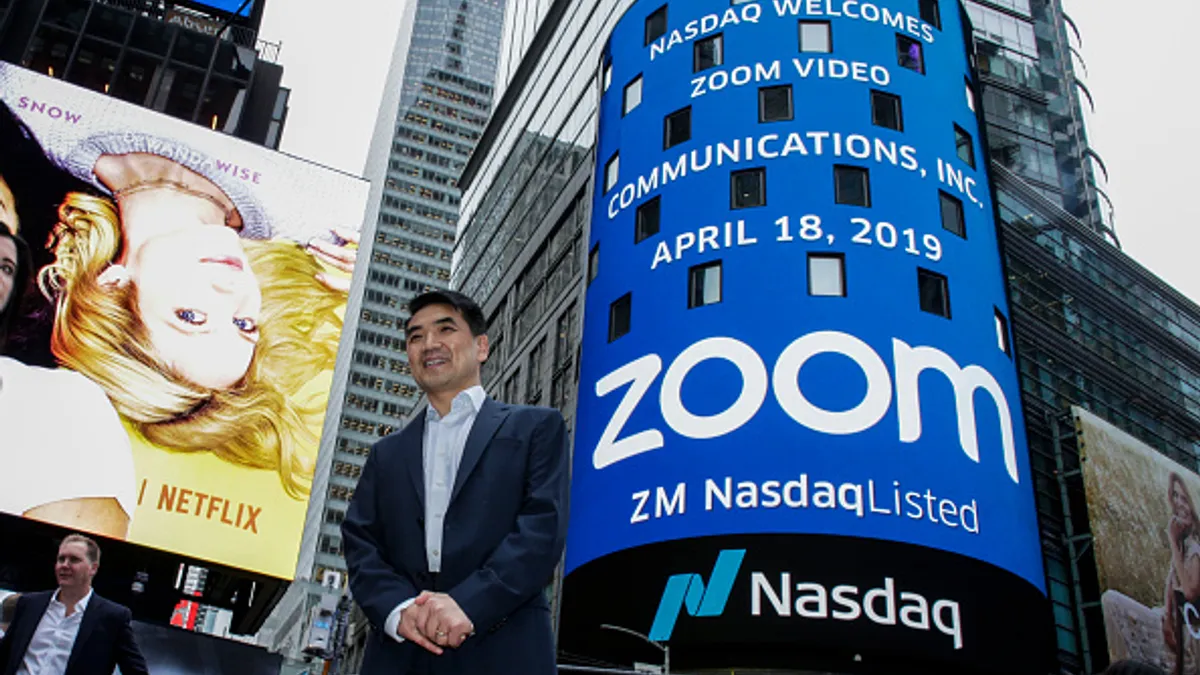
column 227, row 6
column 1146, row 535
column 171, row 324
column 799, row 416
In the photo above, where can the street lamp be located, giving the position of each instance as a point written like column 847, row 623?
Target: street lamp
column 661, row 647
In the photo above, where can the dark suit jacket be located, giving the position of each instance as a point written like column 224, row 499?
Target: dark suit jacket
column 503, row 537
column 105, row 638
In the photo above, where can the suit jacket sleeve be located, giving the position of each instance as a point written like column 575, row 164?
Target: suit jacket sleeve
column 524, row 562
column 129, row 657
column 377, row 585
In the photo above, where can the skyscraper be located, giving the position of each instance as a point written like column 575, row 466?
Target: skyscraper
column 436, row 108
column 1090, row 326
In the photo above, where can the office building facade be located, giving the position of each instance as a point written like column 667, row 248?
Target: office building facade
column 191, row 61
column 437, row 105
column 1090, row 326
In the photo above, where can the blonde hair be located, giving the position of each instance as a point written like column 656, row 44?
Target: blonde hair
column 98, row 333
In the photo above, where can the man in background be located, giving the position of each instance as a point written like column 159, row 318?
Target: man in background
column 71, row 630
column 8, row 607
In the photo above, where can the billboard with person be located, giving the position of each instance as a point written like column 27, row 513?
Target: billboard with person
column 173, row 309
column 1146, row 534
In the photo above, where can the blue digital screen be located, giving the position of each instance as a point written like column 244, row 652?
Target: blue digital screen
column 227, row 6
column 798, row 320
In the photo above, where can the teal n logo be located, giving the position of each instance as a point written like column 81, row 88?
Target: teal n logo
column 687, row 591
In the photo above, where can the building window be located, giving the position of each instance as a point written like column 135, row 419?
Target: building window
column 910, row 54
column 633, row 95
column 748, row 188
column 618, row 316
column 886, row 111
column 647, row 220
column 851, row 185
column 1002, row 333
column 677, row 128
column 593, row 263
column 964, row 147
column 816, row 36
column 970, row 95
column 827, row 274
column 934, row 290
column 612, row 172
column 709, row 53
column 608, row 70
column 931, row 13
column 704, row 285
column 952, row 214
column 656, row 25
column 775, row 104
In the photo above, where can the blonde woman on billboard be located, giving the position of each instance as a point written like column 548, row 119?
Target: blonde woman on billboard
column 69, row 463
column 199, row 336
column 1163, row 635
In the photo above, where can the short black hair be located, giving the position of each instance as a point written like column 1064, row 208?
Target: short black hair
column 471, row 312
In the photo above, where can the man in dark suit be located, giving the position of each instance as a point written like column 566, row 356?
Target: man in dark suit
column 71, row 631
column 458, row 520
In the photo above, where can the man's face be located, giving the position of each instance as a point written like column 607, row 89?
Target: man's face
column 443, row 354
column 73, row 569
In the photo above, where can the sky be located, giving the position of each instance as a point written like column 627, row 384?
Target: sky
column 1144, row 125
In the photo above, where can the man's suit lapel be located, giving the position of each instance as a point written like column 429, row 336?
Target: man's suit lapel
column 91, row 616
column 34, row 611
column 413, row 445
column 487, row 422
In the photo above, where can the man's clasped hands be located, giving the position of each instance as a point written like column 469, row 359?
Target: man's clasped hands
column 434, row 621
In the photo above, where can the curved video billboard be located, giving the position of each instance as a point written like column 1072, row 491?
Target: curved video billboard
column 799, row 419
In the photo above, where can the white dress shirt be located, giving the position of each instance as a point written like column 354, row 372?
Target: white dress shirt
column 54, row 638
column 441, row 453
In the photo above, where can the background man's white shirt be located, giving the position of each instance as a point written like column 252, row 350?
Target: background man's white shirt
column 50, row 648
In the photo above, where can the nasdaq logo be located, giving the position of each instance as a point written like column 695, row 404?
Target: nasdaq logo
column 687, row 591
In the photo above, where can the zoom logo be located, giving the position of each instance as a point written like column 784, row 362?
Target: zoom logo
column 687, row 591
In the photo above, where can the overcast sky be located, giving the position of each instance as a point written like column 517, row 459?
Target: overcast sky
column 1145, row 126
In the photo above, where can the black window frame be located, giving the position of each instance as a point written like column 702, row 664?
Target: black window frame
column 930, row 12
column 761, row 172
column 860, row 170
column 1003, row 334
column 719, row 38
column 893, row 100
column 626, row 302
column 616, row 157
column 654, row 206
column 650, row 17
column 814, row 22
column 828, row 255
column 593, row 268
column 762, row 103
column 946, row 199
column 904, row 43
column 667, row 128
column 959, row 135
column 923, row 277
column 693, row 271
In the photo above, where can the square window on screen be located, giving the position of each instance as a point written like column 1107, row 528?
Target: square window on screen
column 953, row 219
column 910, row 54
column 748, row 188
column 612, row 172
column 619, row 322
column 851, row 185
column 827, row 274
column 775, row 104
column 886, row 111
column 931, row 13
column 709, row 53
column 633, row 95
column 656, row 25
column 677, row 128
column 647, row 220
column 593, row 263
column 816, row 37
column 934, row 292
column 964, row 146
column 704, row 285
